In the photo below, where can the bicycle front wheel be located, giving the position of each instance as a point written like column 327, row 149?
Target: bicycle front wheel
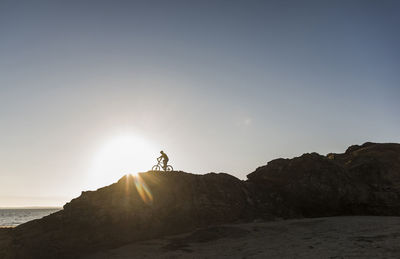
column 156, row 168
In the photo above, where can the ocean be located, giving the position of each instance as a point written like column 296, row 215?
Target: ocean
column 15, row 217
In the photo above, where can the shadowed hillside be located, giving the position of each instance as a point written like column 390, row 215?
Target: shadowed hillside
column 363, row 180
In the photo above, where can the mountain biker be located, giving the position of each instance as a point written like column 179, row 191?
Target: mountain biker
column 165, row 159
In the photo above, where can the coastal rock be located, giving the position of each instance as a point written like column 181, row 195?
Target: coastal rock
column 307, row 186
column 375, row 171
column 365, row 180
column 140, row 207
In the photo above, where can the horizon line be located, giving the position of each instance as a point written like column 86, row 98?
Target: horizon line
column 32, row 207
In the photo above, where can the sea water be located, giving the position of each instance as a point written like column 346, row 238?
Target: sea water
column 15, row 217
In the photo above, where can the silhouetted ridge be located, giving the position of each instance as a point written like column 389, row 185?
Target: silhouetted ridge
column 363, row 180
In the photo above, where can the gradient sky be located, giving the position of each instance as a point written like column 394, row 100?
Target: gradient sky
column 221, row 86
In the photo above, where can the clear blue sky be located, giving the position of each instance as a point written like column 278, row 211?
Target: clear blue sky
column 219, row 85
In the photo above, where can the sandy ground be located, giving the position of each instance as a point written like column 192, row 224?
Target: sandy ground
column 334, row 237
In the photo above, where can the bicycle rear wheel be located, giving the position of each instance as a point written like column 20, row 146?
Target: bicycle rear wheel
column 169, row 168
column 155, row 168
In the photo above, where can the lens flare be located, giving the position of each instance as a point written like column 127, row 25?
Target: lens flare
column 143, row 189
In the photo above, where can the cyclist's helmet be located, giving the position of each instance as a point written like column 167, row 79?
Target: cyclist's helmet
column 162, row 152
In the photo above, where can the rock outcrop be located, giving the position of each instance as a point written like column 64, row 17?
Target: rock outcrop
column 306, row 186
column 363, row 180
column 375, row 171
column 146, row 206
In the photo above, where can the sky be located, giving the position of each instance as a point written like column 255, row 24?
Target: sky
column 92, row 90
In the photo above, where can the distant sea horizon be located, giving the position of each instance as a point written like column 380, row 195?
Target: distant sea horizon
column 29, row 207
column 14, row 216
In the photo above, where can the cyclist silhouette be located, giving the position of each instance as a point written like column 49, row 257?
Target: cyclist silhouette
column 165, row 159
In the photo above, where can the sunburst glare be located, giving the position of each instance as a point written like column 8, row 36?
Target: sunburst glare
column 120, row 155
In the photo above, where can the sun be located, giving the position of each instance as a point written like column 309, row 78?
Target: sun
column 121, row 155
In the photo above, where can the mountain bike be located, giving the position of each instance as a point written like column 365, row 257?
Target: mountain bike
column 160, row 166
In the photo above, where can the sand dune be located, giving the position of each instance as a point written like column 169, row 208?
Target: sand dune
column 333, row 237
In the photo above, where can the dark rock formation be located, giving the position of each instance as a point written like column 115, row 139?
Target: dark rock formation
column 363, row 180
column 306, row 186
column 135, row 208
column 375, row 171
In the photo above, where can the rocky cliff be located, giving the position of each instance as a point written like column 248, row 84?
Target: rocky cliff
column 363, row 180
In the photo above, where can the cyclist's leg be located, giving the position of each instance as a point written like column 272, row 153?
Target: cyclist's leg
column 165, row 164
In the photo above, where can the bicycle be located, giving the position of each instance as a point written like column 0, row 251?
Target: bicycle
column 160, row 166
